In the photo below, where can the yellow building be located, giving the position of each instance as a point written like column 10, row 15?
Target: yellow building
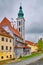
column 32, row 45
column 6, row 45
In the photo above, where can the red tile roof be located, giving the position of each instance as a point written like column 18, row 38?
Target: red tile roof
column 21, row 42
column 6, row 22
column 4, row 33
column 30, row 43
column 21, row 47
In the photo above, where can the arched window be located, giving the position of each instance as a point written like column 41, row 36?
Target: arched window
column 19, row 29
column 6, row 39
column 7, row 56
column 10, row 56
column 2, row 57
column 19, row 22
column 2, row 38
column 6, row 47
column 2, row 47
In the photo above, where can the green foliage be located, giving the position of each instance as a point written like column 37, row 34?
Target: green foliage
column 20, row 56
column 40, row 44
column 31, row 56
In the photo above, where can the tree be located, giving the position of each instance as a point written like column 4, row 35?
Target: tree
column 40, row 44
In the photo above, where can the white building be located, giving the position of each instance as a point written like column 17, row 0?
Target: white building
column 21, row 23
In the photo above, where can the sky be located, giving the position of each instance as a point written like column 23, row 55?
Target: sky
column 33, row 14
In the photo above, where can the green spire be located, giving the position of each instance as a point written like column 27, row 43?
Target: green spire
column 20, row 14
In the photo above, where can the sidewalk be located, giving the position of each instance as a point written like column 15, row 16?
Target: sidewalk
column 25, row 62
column 16, row 60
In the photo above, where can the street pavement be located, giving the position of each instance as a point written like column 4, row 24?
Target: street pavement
column 26, row 62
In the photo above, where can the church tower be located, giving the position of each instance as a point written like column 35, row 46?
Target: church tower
column 21, row 22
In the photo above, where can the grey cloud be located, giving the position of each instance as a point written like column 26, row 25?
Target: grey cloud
column 6, row 7
column 35, row 27
column 34, row 36
column 35, row 18
column 33, row 13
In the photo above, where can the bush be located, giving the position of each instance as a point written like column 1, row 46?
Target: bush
column 20, row 56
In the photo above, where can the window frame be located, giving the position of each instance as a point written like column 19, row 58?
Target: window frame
column 19, row 29
column 2, row 47
column 6, row 39
column 10, row 40
column 6, row 47
column 2, row 57
column 2, row 38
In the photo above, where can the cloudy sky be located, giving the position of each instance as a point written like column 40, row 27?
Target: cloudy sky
column 33, row 14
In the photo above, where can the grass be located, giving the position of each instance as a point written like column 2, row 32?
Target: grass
column 30, row 56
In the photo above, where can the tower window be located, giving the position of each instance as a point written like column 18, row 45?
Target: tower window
column 19, row 22
column 19, row 29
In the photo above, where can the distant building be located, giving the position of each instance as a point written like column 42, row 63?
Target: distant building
column 32, row 45
column 6, row 45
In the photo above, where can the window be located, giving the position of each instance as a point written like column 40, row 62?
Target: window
column 6, row 40
column 10, row 40
column 2, row 47
column 1, row 57
column 6, row 47
column 10, row 48
column 7, row 56
column 10, row 56
column 19, row 22
column 19, row 29
column 2, row 38
column 15, row 38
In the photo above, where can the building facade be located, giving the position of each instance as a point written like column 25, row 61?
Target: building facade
column 6, row 45
column 32, row 45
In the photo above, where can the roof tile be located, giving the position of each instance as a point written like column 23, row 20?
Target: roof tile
column 4, row 33
column 6, row 22
column 30, row 43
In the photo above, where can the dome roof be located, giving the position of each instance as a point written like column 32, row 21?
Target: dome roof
column 20, row 14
